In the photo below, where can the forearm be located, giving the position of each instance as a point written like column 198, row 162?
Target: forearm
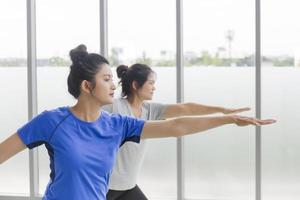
column 10, row 147
column 177, row 127
column 191, row 125
column 182, row 126
column 200, row 109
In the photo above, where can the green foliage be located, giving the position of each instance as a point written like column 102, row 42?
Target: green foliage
column 167, row 58
column 58, row 61
column 283, row 62
column 144, row 59
column 164, row 63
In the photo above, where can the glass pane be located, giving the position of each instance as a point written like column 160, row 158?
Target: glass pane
column 219, row 70
column 75, row 22
column 280, row 99
column 14, row 173
column 144, row 32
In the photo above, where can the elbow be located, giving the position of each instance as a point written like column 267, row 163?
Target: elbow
column 178, row 130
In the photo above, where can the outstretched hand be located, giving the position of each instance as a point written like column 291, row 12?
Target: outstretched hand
column 235, row 110
column 245, row 121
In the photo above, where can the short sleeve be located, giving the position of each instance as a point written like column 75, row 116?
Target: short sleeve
column 130, row 128
column 157, row 110
column 37, row 131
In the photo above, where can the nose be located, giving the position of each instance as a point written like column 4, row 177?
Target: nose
column 113, row 86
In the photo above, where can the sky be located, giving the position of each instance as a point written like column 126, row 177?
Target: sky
column 139, row 26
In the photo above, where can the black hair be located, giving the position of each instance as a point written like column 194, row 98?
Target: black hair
column 137, row 72
column 84, row 67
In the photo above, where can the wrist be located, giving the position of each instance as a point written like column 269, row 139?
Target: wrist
column 230, row 119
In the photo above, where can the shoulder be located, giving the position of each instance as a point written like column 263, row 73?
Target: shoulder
column 155, row 110
column 115, row 119
column 154, row 105
column 56, row 113
column 111, row 117
column 115, row 106
column 41, row 127
column 54, row 116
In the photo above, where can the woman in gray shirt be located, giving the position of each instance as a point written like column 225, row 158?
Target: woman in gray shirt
column 138, row 85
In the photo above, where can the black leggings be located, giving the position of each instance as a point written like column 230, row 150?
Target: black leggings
column 132, row 194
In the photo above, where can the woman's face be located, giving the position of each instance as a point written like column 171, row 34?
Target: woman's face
column 147, row 90
column 104, row 88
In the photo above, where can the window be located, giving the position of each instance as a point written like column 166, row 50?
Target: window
column 280, row 99
column 219, row 70
column 13, row 79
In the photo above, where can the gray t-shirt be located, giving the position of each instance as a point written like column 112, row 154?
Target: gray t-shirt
column 131, row 155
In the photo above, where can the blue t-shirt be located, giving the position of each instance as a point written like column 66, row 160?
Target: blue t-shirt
column 81, row 153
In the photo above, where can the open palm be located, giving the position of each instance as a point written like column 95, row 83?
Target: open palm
column 245, row 121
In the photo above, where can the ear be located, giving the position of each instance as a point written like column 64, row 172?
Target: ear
column 134, row 85
column 85, row 86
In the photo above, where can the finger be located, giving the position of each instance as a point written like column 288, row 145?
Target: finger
column 250, row 121
column 255, row 121
column 266, row 122
column 245, row 109
column 269, row 121
column 233, row 111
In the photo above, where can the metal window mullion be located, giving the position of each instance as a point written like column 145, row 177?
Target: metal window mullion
column 103, row 28
column 258, row 99
column 32, row 92
column 180, row 97
column 19, row 198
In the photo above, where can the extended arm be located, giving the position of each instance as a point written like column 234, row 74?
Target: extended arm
column 190, row 125
column 188, row 109
column 10, row 147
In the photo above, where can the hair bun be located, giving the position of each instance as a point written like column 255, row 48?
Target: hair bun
column 79, row 53
column 121, row 71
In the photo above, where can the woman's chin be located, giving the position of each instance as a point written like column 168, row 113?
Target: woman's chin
column 149, row 98
column 110, row 101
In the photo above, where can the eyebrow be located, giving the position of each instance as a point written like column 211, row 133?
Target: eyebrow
column 110, row 75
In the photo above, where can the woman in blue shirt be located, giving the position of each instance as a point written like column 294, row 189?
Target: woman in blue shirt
column 82, row 141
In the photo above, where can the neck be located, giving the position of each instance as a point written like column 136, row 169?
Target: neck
column 86, row 109
column 136, row 105
column 135, row 102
